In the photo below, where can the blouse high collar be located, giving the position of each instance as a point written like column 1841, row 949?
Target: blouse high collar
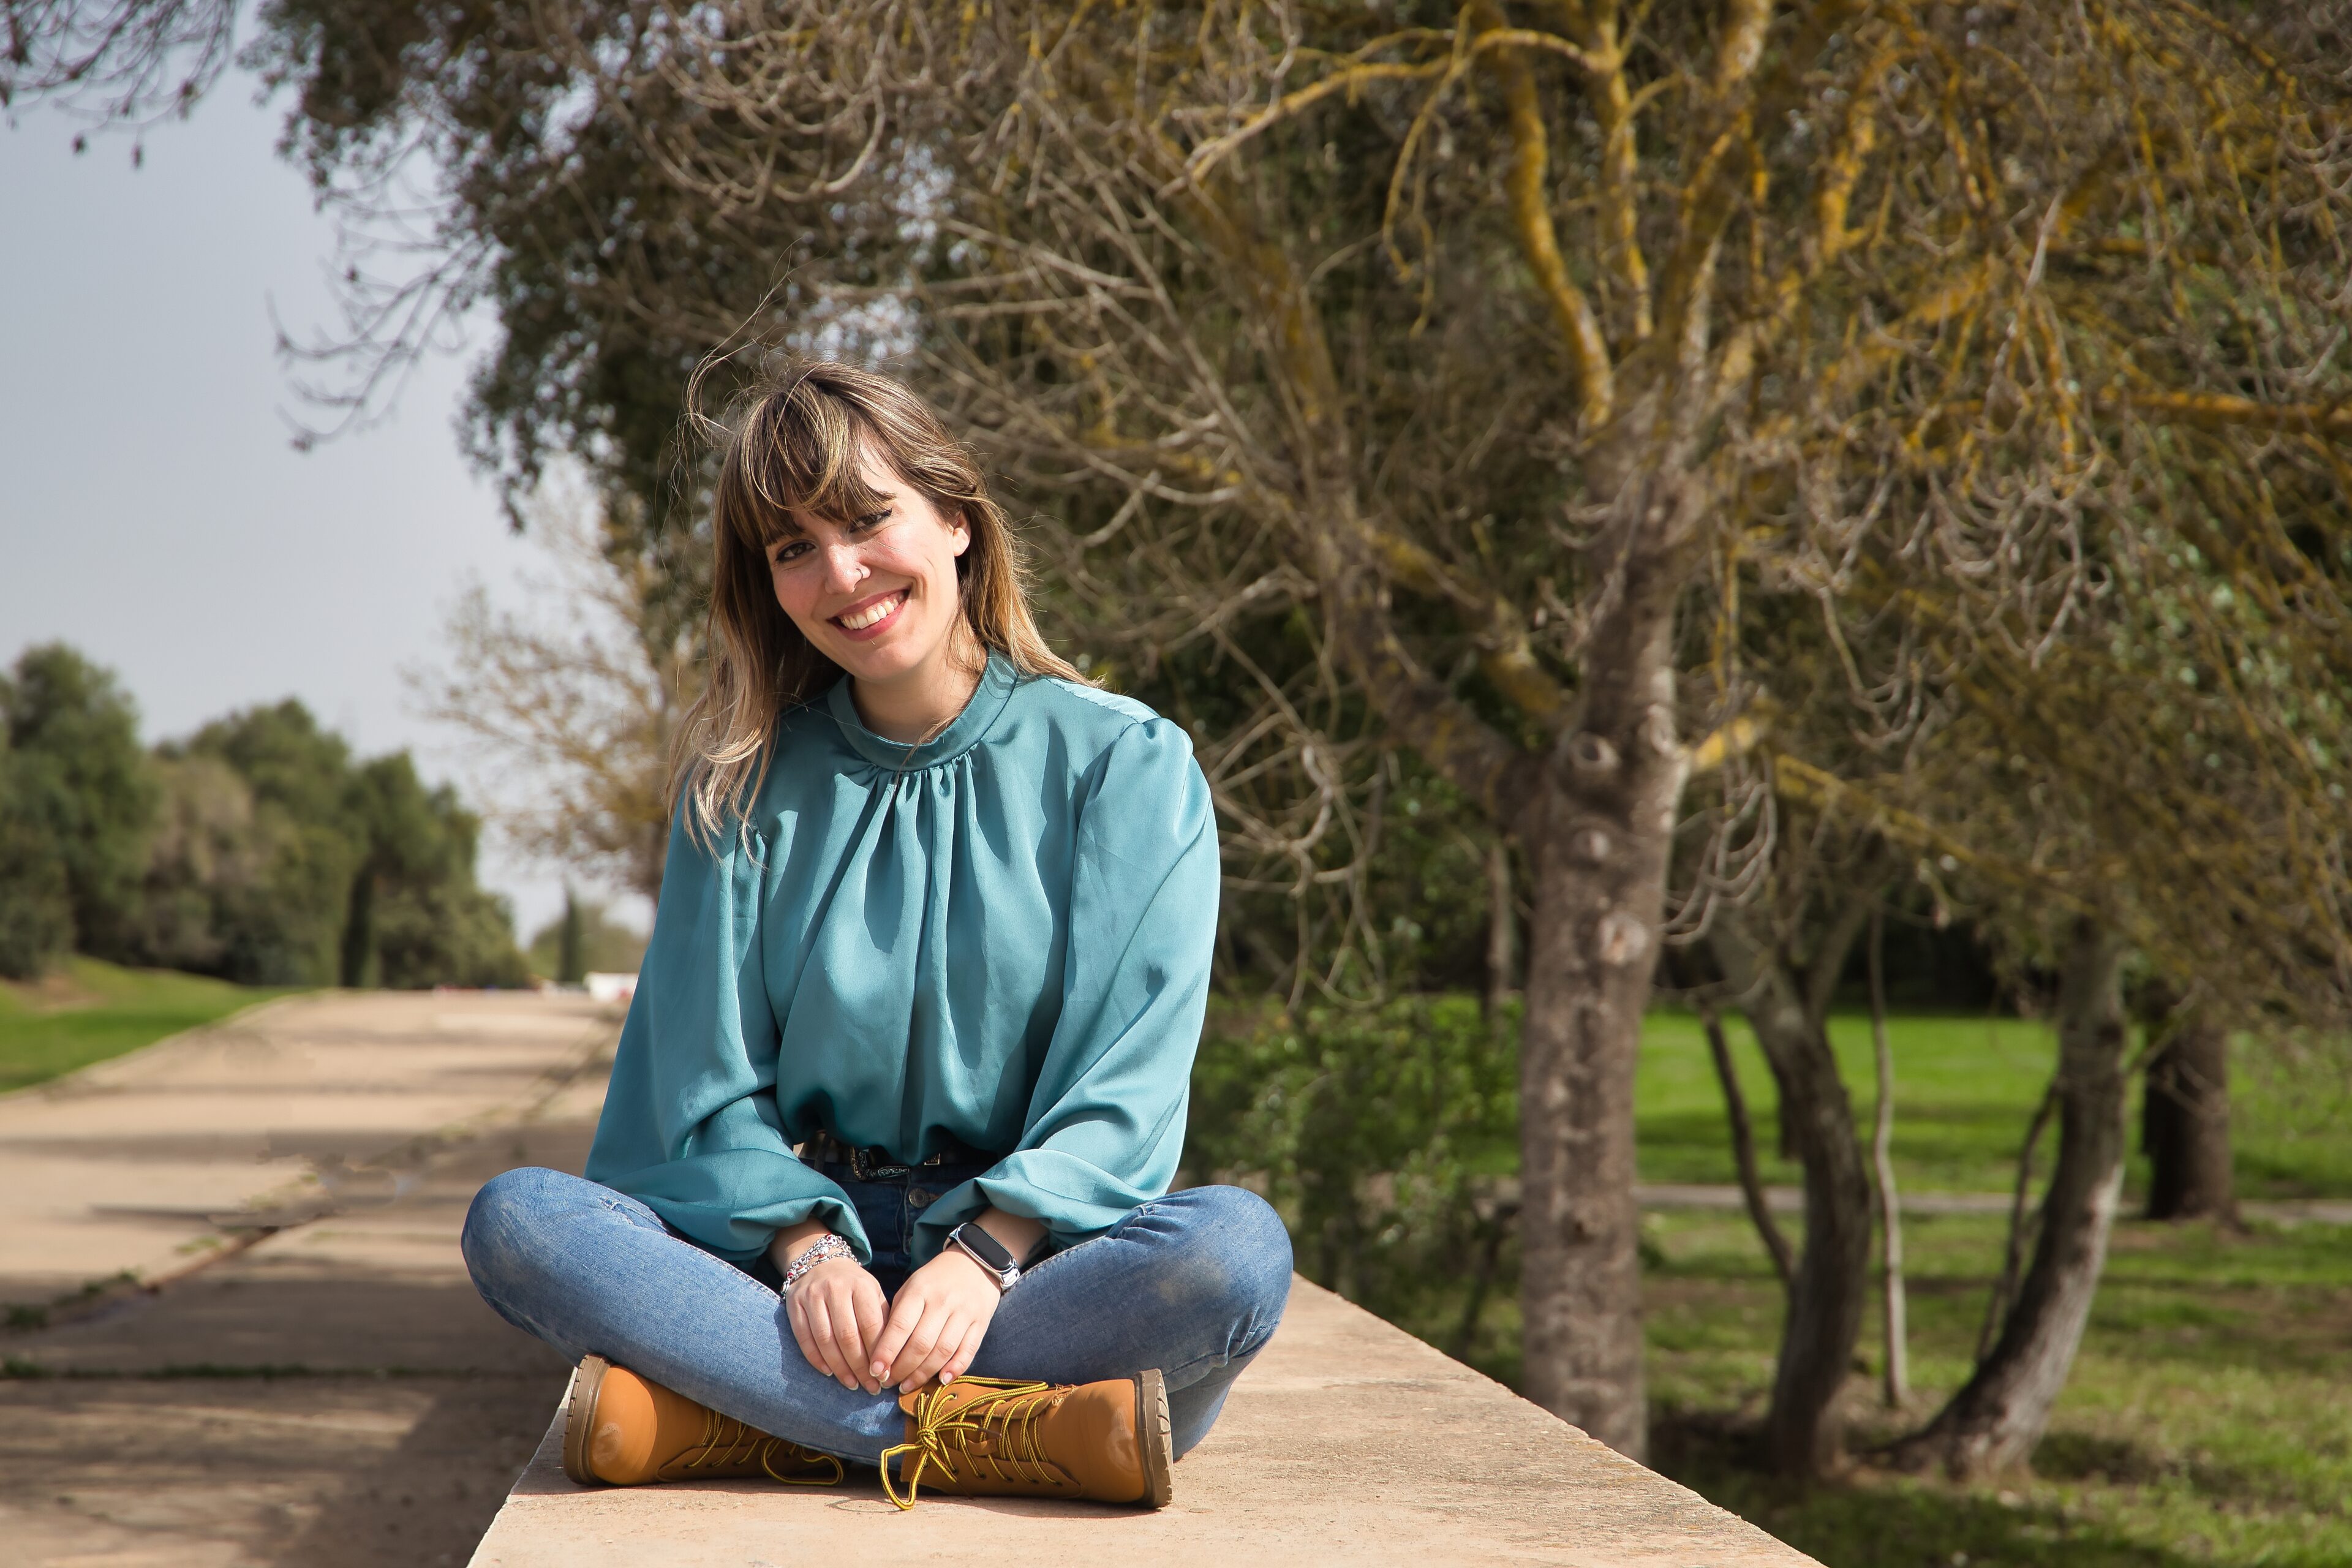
column 979, row 715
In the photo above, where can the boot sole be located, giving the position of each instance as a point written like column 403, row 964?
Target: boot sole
column 580, row 1419
column 1158, row 1444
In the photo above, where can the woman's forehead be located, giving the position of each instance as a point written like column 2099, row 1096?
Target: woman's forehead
column 844, row 505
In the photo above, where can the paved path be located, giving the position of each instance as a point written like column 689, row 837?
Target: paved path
column 329, row 1392
column 142, row 1164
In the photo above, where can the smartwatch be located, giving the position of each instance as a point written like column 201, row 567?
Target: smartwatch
column 987, row 1252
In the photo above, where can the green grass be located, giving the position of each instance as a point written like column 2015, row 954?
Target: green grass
column 2209, row 1418
column 2206, row 1420
column 1963, row 1090
column 90, row 1011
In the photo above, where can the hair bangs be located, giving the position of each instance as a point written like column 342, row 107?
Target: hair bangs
column 800, row 458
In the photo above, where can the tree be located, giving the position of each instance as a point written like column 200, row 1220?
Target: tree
column 36, row 907
column 2185, row 1112
column 571, row 705
column 283, row 861
column 79, row 782
column 603, row 943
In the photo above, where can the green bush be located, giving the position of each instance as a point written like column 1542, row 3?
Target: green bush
column 1388, row 1138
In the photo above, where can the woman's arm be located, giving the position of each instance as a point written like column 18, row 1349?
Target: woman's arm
column 690, row 1125
column 1104, row 1128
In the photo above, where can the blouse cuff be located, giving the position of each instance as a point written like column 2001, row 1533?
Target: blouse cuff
column 1074, row 1199
column 699, row 1197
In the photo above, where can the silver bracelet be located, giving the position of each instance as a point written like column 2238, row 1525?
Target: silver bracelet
column 822, row 1250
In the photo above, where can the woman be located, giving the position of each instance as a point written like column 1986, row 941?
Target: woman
column 883, row 1169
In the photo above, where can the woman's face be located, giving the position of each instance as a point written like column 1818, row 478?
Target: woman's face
column 876, row 594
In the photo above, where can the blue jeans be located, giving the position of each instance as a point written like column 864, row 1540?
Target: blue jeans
column 1192, row 1283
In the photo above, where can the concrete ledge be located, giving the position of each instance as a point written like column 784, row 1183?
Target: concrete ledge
column 1348, row 1441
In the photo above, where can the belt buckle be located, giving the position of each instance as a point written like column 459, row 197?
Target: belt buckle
column 869, row 1169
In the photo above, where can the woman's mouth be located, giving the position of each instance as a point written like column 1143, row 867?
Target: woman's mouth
column 872, row 616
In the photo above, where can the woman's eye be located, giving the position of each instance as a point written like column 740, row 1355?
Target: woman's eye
column 873, row 518
column 784, row 555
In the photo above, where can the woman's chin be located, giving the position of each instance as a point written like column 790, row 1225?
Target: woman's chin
column 889, row 658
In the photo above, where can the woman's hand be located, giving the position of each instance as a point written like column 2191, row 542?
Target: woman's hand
column 936, row 1324
column 836, row 1310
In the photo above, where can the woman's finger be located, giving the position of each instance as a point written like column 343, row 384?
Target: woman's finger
column 966, row 1352
column 828, row 1346
column 920, row 1343
column 796, row 1314
column 819, row 1345
column 849, row 1339
column 905, row 1313
column 943, row 1345
column 871, row 1313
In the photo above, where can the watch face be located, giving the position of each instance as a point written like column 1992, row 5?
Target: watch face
column 986, row 1251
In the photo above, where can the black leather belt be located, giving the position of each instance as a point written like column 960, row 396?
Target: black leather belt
column 878, row 1164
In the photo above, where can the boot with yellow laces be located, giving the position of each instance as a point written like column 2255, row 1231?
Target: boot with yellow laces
column 623, row 1430
column 982, row 1436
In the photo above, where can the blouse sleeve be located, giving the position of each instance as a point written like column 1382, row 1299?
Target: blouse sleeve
column 689, row 1126
column 1105, row 1126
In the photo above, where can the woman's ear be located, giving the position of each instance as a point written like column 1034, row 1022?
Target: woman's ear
column 960, row 531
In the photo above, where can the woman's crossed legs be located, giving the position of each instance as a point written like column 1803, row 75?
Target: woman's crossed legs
column 1192, row 1283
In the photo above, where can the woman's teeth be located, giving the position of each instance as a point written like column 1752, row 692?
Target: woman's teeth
column 858, row 620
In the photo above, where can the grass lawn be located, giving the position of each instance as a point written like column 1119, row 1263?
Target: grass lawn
column 2209, row 1419
column 1964, row 1090
column 89, row 1011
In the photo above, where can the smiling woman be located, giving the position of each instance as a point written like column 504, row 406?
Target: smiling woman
column 903, row 1088
column 840, row 494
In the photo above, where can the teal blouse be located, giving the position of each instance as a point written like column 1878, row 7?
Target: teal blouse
column 1000, row 936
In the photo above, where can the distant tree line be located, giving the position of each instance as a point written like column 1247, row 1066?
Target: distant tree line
column 258, row 850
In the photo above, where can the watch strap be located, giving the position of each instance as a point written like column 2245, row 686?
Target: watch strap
column 987, row 1252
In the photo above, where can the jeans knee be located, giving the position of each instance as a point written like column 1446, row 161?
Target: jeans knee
column 504, row 1224
column 1251, row 1249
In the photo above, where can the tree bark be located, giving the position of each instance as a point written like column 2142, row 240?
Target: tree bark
column 358, row 946
column 2185, row 1121
column 1996, row 1418
column 1804, row 1432
column 1894, row 1309
column 1502, row 930
column 1598, row 843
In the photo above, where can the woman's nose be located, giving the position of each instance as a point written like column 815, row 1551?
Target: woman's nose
column 845, row 568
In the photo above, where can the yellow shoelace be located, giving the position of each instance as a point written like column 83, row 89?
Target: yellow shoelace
column 943, row 1430
column 727, row 1441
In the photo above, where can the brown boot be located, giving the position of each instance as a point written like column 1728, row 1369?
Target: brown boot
column 623, row 1430
column 979, row 1436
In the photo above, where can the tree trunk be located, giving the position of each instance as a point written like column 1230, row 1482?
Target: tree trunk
column 358, row 947
column 2185, row 1121
column 1994, row 1421
column 1597, row 840
column 1502, row 930
column 1743, row 1148
column 1803, row 1429
column 1895, row 1311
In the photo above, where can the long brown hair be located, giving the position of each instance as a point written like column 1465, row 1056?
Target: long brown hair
column 792, row 445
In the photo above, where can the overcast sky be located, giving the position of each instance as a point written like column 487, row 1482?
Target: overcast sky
column 153, row 509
